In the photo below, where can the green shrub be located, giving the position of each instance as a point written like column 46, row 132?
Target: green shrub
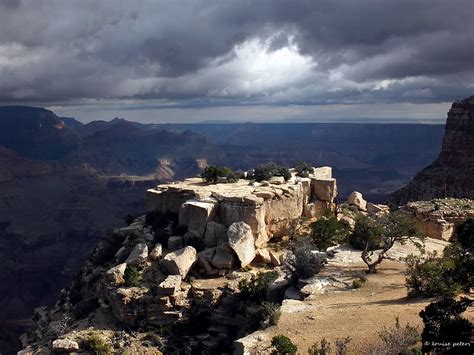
column 212, row 174
column 255, row 289
column 358, row 283
column 266, row 171
column 426, row 276
column 448, row 275
column 303, row 169
column 367, row 230
column 283, row 345
column 443, row 324
column 304, row 263
column 268, row 314
column 328, row 232
column 131, row 276
column 98, row 346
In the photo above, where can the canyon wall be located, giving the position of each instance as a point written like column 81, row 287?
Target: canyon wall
column 452, row 173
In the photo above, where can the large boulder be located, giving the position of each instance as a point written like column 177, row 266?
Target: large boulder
column 255, row 343
column 356, row 199
column 215, row 233
column 242, row 241
column 156, row 252
column 116, row 273
column 138, row 255
column 324, row 189
column 170, row 285
column 65, row 346
column 377, row 209
column 205, row 259
column 195, row 214
column 180, row 261
column 224, row 257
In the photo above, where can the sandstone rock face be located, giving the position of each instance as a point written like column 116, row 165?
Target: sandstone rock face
column 116, row 273
column 375, row 209
column 138, row 255
column 254, row 343
column 356, row 199
column 241, row 240
column 180, row 262
column 348, row 221
column 205, row 259
column 170, row 285
column 65, row 345
column 215, row 232
column 452, row 173
column 269, row 208
column 324, row 189
column 438, row 218
column 156, row 252
column 196, row 214
column 224, row 257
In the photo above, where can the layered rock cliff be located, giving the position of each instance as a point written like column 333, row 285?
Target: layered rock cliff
column 193, row 234
column 452, row 173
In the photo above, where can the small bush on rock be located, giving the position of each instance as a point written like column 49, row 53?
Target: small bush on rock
column 283, row 345
column 303, row 169
column 131, row 276
column 98, row 346
column 255, row 289
column 212, row 174
column 267, row 315
column 304, row 263
column 266, row 171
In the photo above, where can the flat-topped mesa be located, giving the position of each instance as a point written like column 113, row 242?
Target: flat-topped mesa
column 269, row 208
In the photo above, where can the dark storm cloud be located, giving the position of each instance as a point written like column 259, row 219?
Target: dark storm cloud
column 236, row 52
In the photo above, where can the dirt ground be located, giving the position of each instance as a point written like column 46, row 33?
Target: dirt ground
column 358, row 313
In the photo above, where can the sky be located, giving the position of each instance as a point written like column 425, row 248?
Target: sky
column 256, row 60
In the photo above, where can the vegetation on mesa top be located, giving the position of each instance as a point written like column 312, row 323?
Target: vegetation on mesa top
column 215, row 174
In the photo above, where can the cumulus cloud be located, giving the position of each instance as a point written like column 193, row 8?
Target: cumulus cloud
column 233, row 53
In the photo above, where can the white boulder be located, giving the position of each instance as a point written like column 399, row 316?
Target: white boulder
column 215, row 233
column 138, row 255
column 356, row 199
column 116, row 273
column 180, row 261
column 242, row 241
column 65, row 345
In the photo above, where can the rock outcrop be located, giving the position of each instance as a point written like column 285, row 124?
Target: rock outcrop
column 268, row 208
column 452, row 173
column 438, row 218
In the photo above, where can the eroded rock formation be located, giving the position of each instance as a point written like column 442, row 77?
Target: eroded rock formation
column 452, row 173
column 268, row 208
